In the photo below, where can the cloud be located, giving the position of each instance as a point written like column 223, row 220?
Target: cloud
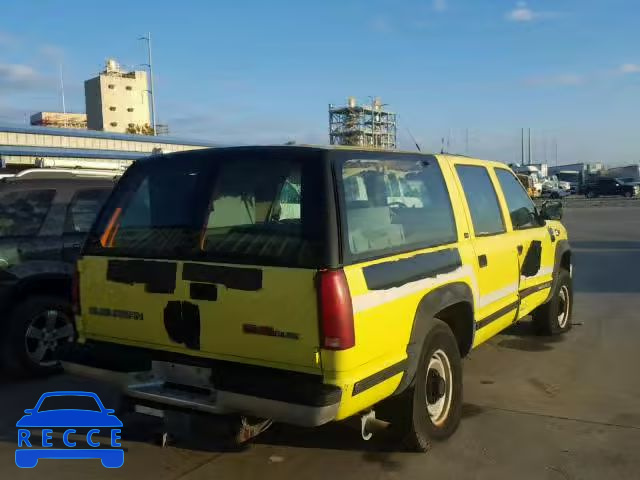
column 17, row 76
column 381, row 25
column 523, row 14
column 52, row 53
column 629, row 68
column 560, row 80
column 439, row 5
column 8, row 40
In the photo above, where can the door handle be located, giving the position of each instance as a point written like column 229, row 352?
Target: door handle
column 482, row 261
column 520, row 249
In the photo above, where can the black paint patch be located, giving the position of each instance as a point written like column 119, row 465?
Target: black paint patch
column 379, row 377
column 249, row 279
column 496, row 315
column 203, row 291
column 398, row 272
column 182, row 323
column 115, row 313
column 158, row 277
column 531, row 263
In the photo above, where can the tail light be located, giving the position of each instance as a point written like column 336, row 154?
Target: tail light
column 336, row 311
column 75, row 292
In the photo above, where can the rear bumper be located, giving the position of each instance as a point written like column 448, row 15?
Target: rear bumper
column 218, row 387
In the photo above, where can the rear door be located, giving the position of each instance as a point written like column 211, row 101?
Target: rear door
column 496, row 256
column 212, row 254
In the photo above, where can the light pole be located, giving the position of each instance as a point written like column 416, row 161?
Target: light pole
column 152, row 94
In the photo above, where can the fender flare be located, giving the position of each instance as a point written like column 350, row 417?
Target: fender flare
column 562, row 247
column 432, row 303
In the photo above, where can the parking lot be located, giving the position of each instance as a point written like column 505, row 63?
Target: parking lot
column 534, row 407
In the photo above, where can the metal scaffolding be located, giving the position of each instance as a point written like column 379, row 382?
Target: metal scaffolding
column 362, row 125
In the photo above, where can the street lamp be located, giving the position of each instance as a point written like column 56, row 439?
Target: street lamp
column 151, row 92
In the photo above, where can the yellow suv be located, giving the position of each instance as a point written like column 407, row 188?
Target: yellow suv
column 308, row 284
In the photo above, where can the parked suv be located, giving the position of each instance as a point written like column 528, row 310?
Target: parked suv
column 611, row 186
column 44, row 218
column 307, row 285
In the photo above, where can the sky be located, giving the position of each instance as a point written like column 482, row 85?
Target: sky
column 252, row 71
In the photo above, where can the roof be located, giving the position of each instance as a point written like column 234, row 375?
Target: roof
column 70, row 153
column 68, row 132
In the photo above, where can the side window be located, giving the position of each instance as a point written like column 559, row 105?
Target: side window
column 395, row 205
column 83, row 210
column 22, row 213
column 521, row 208
column 482, row 200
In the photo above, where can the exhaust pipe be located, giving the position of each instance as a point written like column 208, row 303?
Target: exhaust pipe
column 369, row 425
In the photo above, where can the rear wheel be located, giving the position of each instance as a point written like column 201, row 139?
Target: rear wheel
column 36, row 330
column 628, row 194
column 554, row 317
column 432, row 408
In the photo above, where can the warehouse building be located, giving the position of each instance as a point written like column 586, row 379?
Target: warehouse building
column 28, row 147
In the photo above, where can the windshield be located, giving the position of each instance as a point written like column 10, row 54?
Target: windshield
column 250, row 207
column 69, row 402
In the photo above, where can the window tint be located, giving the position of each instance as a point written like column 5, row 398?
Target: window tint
column 83, row 210
column 233, row 207
column 395, row 205
column 22, row 213
column 521, row 208
column 482, row 200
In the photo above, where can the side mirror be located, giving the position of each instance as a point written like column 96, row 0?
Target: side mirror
column 29, row 411
column 109, row 411
column 551, row 210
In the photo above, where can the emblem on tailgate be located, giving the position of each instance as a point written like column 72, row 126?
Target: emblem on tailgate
column 115, row 313
column 268, row 331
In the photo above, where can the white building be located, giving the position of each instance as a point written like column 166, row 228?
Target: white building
column 117, row 101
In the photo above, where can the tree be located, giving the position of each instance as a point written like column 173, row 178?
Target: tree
column 145, row 129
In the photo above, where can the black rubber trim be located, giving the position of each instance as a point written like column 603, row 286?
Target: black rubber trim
column 158, row 277
column 496, row 315
column 398, row 272
column 379, row 377
column 532, row 260
column 535, row 289
column 248, row 279
column 262, row 382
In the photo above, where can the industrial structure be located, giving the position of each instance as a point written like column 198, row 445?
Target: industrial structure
column 28, row 147
column 118, row 101
column 59, row 120
column 364, row 125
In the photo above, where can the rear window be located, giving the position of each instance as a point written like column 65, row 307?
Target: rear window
column 252, row 207
column 395, row 205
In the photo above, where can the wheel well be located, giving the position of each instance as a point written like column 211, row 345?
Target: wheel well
column 565, row 261
column 56, row 286
column 459, row 317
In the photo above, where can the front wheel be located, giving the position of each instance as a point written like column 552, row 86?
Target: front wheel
column 628, row 194
column 554, row 317
column 434, row 404
column 590, row 194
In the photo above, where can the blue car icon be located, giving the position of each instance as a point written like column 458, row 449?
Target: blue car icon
column 99, row 420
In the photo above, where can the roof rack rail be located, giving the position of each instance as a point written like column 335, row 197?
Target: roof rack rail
column 64, row 173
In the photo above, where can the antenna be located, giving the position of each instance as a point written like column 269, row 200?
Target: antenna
column 64, row 107
column 442, row 146
column 414, row 140
column 466, row 141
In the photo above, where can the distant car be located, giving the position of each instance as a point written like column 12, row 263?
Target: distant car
column 554, row 192
column 44, row 218
column 94, row 417
column 610, row 186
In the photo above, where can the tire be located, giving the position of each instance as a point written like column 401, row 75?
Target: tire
column 36, row 329
column 628, row 194
column 590, row 194
column 431, row 409
column 555, row 195
column 554, row 317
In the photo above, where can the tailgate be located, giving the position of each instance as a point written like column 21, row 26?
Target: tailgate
column 260, row 315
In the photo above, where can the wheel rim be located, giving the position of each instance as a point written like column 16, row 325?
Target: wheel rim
column 563, row 306
column 46, row 332
column 439, row 387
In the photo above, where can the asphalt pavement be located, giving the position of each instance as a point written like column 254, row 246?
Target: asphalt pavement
column 535, row 408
